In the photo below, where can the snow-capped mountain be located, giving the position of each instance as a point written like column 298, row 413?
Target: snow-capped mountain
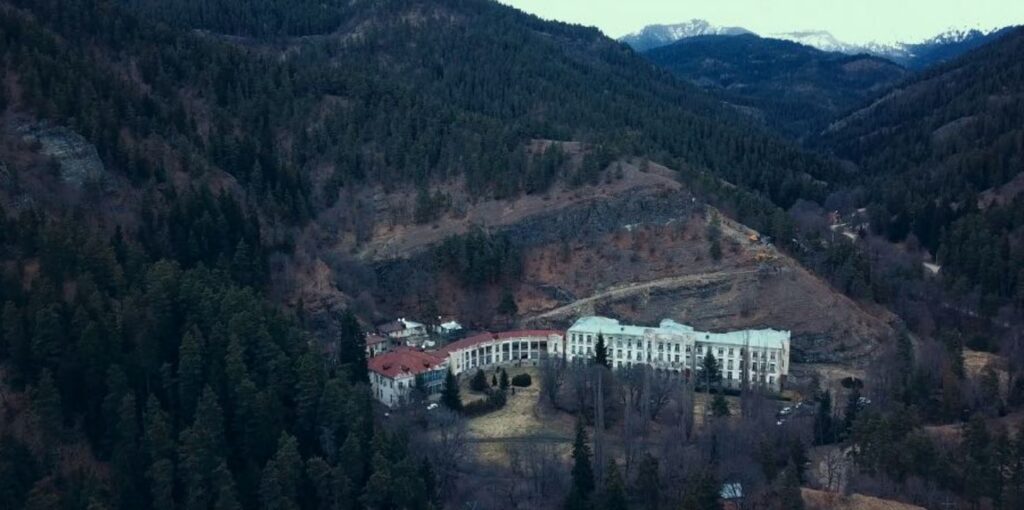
column 653, row 36
column 819, row 39
column 940, row 48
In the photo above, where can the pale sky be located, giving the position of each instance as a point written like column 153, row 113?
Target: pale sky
column 852, row 21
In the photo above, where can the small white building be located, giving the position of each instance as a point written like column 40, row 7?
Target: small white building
column 526, row 347
column 395, row 374
column 448, row 329
column 680, row 348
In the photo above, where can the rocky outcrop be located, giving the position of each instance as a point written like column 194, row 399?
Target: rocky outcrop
column 78, row 160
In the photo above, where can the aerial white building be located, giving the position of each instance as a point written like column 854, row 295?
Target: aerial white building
column 680, row 348
column 395, row 373
column 526, row 347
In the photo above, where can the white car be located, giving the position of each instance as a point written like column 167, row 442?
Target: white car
column 432, row 406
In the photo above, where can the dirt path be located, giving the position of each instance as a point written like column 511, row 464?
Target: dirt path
column 631, row 289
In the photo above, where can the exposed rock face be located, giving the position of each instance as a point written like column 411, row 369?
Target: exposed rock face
column 598, row 218
column 79, row 161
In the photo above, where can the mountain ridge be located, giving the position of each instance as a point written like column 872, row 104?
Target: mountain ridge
column 795, row 88
column 913, row 55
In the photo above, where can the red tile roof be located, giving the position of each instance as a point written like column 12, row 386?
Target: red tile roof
column 404, row 361
column 486, row 337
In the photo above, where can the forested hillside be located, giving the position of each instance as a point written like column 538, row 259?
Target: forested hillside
column 941, row 159
column 410, row 91
column 142, row 363
column 791, row 87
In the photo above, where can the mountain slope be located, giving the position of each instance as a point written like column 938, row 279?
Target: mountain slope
column 795, row 88
column 941, row 153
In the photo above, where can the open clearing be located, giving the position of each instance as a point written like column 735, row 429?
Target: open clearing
column 521, row 420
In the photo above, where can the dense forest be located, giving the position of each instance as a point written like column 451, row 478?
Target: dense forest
column 939, row 157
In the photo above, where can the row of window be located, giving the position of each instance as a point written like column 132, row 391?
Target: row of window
column 617, row 342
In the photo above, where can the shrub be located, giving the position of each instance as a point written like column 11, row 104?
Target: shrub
column 522, row 380
column 496, row 400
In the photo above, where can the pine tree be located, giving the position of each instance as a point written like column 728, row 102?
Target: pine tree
column 450, row 396
column 15, row 340
column 852, row 409
column 798, row 458
column 125, row 458
column 332, row 488
column 479, row 381
column 352, row 457
column 614, row 496
column 715, row 237
column 582, row 471
column 601, row 352
column 224, row 485
column 47, row 407
column 332, row 417
column 377, row 495
column 243, row 265
column 503, row 381
column 823, row 426
column 282, row 476
column 48, row 337
column 190, row 372
column 352, row 349
column 201, row 451
column 308, row 388
column 711, row 372
column 161, row 484
column 507, row 306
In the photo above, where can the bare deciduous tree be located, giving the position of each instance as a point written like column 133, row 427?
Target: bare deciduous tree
column 552, row 377
column 447, row 446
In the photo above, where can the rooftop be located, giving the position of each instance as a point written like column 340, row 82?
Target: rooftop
column 404, row 361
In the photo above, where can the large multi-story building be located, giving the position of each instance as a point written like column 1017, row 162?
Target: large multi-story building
column 395, row 374
column 488, row 349
column 680, row 348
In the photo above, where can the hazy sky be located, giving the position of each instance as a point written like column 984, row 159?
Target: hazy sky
column 849, row 20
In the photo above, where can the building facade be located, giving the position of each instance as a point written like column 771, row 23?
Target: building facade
column 510, row 347
column 395, row 374
column 680, row 348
